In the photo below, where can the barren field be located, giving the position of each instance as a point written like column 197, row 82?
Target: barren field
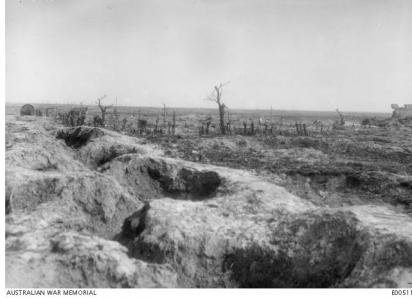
column 91, row 207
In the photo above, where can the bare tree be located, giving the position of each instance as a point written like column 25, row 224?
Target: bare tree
column 342, row 119
column 164, row 113
column 339, row 124
column 164, row 116
column 174, row 123
column 216, row 96
column 103, row 109
column 115, row 119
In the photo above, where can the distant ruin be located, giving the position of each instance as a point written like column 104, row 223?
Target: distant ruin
column 402, row 112
column 27, row 110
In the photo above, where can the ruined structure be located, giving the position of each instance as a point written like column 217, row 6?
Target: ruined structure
column 51, row 111
column 402, row 112
column 27, row 110
column 76, row 116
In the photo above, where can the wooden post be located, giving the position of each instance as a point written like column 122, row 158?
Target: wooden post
column 271, row 114
column 164, row 117
column 174, row 123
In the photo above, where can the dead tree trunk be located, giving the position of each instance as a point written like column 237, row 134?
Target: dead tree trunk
column 305, row 132
column 156, row 129
column 341, row 118
column 222, row 117
column 297, row 128
column 174, row 123
column 217, row 97
column 164, row 117
column 103, row 109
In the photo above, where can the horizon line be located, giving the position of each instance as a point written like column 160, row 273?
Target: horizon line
column 183, row 107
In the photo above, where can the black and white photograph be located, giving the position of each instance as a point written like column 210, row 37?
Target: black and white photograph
column 208, row 144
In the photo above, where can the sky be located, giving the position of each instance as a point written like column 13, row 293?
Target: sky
column 355, row 55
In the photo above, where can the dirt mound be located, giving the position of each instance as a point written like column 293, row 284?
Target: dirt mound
column 33, row 146
column 44, row 257
column 95, row 146
column 327, row 249
column 102, row 201
column 54, row 204
column 270, row 246
column 176, row 223
column 49, row 173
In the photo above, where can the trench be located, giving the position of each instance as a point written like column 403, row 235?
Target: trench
column 153, row 178
column 320, row 252
column 351, row 187
column 324, row 256
column 77, row 137
column 250, row 267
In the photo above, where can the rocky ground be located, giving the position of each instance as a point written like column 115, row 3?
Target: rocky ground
column 89, row 207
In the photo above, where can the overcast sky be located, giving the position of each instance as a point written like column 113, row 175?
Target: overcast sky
column 288, row 54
